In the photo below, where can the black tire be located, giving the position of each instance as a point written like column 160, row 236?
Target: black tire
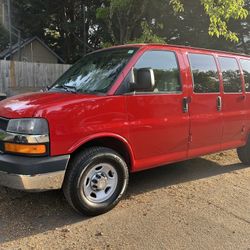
column 244, row 153
column 77, row 175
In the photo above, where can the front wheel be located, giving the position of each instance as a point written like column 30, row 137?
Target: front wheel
column 96, row 180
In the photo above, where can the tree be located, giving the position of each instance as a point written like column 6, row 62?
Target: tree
column 189, row 27
column 123, row 16
column 73, row 27
column 242, row 27
column 61, row 24
column 220, row 12
column 4, row 38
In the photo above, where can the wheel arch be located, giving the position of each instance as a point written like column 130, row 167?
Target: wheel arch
column 109, row 140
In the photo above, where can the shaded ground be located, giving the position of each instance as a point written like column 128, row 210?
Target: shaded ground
column 197, row 204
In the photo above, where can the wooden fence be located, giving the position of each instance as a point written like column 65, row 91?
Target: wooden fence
column 18, row 77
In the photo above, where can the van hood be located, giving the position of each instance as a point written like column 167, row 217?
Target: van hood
column 26, row 105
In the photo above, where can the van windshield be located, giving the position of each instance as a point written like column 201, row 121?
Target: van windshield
column 95, row 73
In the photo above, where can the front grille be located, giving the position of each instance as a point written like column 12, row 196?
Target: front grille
column 3, row 123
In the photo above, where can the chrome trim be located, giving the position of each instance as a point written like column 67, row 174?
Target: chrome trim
column 3, row 118
column 152, row 75
column 13, row 137
column 34, row 183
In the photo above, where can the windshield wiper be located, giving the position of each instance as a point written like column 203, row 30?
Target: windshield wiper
column 70, row 89
column 93, row 92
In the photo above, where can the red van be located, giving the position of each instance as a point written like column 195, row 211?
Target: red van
column 122, row 110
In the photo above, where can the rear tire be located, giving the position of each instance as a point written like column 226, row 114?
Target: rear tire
column 95, row 181
column 244, row 153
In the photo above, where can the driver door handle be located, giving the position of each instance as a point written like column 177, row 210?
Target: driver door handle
column 219, row 103
column 185, row 104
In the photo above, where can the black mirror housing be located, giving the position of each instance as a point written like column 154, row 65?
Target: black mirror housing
column 144, row 80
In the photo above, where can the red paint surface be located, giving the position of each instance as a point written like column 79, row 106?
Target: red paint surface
column 153, row 127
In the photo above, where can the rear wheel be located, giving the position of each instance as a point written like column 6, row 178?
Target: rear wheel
column 244, row 153
column 95, row 181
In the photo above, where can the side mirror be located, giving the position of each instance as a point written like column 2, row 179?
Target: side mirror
column 144, row 80
column 45, row 89
column 2, row 96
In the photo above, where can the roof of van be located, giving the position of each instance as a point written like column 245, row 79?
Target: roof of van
column 182, row 47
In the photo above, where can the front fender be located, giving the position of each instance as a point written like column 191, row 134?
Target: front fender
column 98, row 136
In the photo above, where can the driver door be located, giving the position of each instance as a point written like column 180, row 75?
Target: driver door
column 158, row 124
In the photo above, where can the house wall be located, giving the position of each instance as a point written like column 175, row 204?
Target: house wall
column 35, row 52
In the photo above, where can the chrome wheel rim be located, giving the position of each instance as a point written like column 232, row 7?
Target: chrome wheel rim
column 100, row 182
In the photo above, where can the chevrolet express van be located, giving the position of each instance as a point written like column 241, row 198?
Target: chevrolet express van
column 122, row 110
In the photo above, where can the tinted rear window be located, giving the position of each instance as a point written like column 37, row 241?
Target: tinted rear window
column 246, row 69
column 205, row 74
column 231, row 75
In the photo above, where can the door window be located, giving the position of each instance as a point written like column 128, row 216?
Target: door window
column 166, row 70
column 231, row 75
column 246, row 69
column 205, row 73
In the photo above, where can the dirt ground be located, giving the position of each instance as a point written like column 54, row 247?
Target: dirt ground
column 202, row 203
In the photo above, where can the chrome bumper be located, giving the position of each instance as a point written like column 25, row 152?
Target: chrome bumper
column 33, row 183
column 34, row 174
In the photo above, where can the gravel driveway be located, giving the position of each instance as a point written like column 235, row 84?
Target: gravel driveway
column 202, row 203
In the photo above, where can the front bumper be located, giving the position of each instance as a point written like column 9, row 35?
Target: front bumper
column 35, row 174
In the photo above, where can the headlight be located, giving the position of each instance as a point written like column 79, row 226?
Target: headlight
column 28, row 136
column 28, row 126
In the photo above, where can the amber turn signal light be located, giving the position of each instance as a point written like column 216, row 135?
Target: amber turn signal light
column 25, row 149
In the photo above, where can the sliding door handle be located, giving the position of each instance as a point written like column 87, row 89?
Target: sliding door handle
column 219, row 103
column 185, row 105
